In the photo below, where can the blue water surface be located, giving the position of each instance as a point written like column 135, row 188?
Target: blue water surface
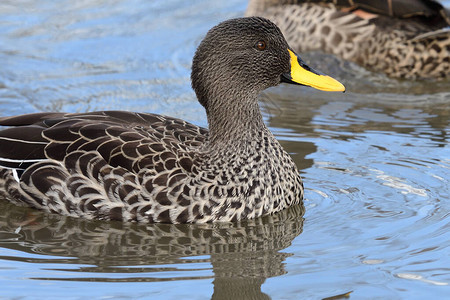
column 375, row 162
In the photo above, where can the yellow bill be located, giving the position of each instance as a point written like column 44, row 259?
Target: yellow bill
column 304, row 75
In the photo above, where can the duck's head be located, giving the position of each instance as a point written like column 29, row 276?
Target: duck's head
column 244, row 56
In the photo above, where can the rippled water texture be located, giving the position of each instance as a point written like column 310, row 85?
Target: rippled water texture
column 375, row 161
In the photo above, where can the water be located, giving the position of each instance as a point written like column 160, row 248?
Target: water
column 375, row 161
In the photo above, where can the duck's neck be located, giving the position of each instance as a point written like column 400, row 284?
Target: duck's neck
column 232, row 123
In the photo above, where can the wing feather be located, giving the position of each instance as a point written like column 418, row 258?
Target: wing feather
column 121, row 138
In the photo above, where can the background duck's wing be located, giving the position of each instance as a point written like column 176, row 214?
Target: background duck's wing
column 429, row 9
column 129, row 140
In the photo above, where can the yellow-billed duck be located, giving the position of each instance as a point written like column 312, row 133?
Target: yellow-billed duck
column 116, row 165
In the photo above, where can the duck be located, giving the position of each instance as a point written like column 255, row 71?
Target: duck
column 402, row 39
column 149, row 168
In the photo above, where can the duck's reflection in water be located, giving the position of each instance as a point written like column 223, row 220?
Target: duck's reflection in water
column 242, row 255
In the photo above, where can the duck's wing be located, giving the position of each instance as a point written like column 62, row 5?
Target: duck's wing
column 433, row 35
column 104, row 165
column 125, row 139
column 429, row 9
column 22, row 144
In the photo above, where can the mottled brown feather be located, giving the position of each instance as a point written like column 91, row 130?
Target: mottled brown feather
column 401, row 38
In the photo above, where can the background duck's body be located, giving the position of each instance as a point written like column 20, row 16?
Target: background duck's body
column 406, row 39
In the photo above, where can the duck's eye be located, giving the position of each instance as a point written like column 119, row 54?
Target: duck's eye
column 261, row 45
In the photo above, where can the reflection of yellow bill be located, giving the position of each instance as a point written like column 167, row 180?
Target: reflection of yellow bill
column 302, row 74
